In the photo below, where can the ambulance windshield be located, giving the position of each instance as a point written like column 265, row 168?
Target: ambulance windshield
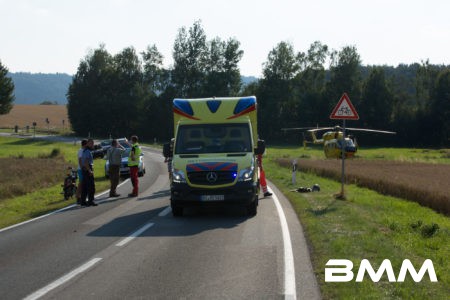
column 213, row 138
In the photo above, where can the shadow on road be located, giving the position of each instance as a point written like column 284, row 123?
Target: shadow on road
column 159, row 194
column 192, row 224
column 194, row 221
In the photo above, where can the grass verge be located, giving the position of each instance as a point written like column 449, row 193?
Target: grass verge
column 434, row 156
column 369, row 226
column 26, row 157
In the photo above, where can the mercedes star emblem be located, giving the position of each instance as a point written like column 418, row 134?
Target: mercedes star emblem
column 211, row 177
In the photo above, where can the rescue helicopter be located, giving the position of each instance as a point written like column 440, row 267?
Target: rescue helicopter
column 333, row 139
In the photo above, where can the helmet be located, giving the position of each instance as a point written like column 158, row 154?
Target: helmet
column 316, row 188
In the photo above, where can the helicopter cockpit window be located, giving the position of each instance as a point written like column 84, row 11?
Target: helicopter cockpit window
column 349, row 143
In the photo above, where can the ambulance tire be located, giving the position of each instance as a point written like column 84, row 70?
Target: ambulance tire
column 177, row 211
column 252, row 209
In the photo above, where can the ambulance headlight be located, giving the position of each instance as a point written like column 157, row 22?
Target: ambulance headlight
column 178, row 176
column 246, row 174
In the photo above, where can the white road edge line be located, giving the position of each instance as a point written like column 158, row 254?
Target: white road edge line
column 134, row 235
column 57, row 211
column 165, row 212
column 290, row 291
column 38, row 294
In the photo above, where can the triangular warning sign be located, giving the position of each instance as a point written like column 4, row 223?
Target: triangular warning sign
column 344, row 109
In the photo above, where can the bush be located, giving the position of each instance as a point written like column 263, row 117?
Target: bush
column 55, row 152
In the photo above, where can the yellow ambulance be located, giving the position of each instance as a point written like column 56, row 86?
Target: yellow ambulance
column 214, row 153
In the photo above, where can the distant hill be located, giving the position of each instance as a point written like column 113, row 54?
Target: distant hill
column 246, row 80
column 36, row 88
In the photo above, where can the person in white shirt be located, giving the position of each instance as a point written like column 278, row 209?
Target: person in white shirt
column 79, row 172
column 114, row 157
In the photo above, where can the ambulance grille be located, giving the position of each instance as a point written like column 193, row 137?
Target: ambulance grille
column 207, row 177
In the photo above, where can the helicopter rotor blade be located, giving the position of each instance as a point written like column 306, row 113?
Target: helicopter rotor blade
column 296, row 128
column 370, row 130
column 337, row 128
column 320, row 129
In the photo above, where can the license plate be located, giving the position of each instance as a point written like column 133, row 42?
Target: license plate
column 212, row 197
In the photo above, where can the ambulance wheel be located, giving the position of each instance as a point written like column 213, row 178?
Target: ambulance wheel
column 177, row 211
column 252, row 209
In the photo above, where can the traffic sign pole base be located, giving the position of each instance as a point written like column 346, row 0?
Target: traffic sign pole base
column 340, row 196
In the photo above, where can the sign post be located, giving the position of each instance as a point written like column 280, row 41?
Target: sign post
column 344, row 110
column 34, row 130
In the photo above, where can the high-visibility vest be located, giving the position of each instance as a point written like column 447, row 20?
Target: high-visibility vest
column 137, row 154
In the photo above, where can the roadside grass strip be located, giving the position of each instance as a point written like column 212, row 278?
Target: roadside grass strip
column 370, row 226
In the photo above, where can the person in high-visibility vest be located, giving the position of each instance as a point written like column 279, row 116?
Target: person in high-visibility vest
column 133, row 164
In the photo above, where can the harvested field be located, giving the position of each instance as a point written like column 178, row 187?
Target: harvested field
column 25, row 115
column 427, row 184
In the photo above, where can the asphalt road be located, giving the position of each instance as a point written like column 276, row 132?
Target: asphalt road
column 133, row 248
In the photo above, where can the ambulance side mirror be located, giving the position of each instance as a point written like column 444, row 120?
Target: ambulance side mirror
column 260, row 148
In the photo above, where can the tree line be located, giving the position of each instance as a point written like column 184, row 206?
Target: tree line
column 6, row 91
column 132, row 92
column 297, row 90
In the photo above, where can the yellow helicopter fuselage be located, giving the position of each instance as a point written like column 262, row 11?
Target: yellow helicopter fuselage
column 333, row 142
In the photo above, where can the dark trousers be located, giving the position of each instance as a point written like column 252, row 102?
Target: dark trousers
column 134, row 179
column 114, row 175
column 88, row 189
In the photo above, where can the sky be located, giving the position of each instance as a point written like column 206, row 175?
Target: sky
column 53, row 36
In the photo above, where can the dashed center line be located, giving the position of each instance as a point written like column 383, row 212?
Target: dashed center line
column 43, row 291
column 134, row 235
column 38, row 294
column 165, row 212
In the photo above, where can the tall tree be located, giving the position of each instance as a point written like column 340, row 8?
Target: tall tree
column 376, row 105
column 440, row 109
column 190, row 55
column 105, row 97
column 156, row 118
column 6, row 91
column 310, row 84
column 345, row 74
column 223, row 77
column 233, row 56
column 278, row 107
column 216, row 83
column 88, row 93
column 154, row 74
column 425, row 80
column 281, row 63
column 126, row 98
